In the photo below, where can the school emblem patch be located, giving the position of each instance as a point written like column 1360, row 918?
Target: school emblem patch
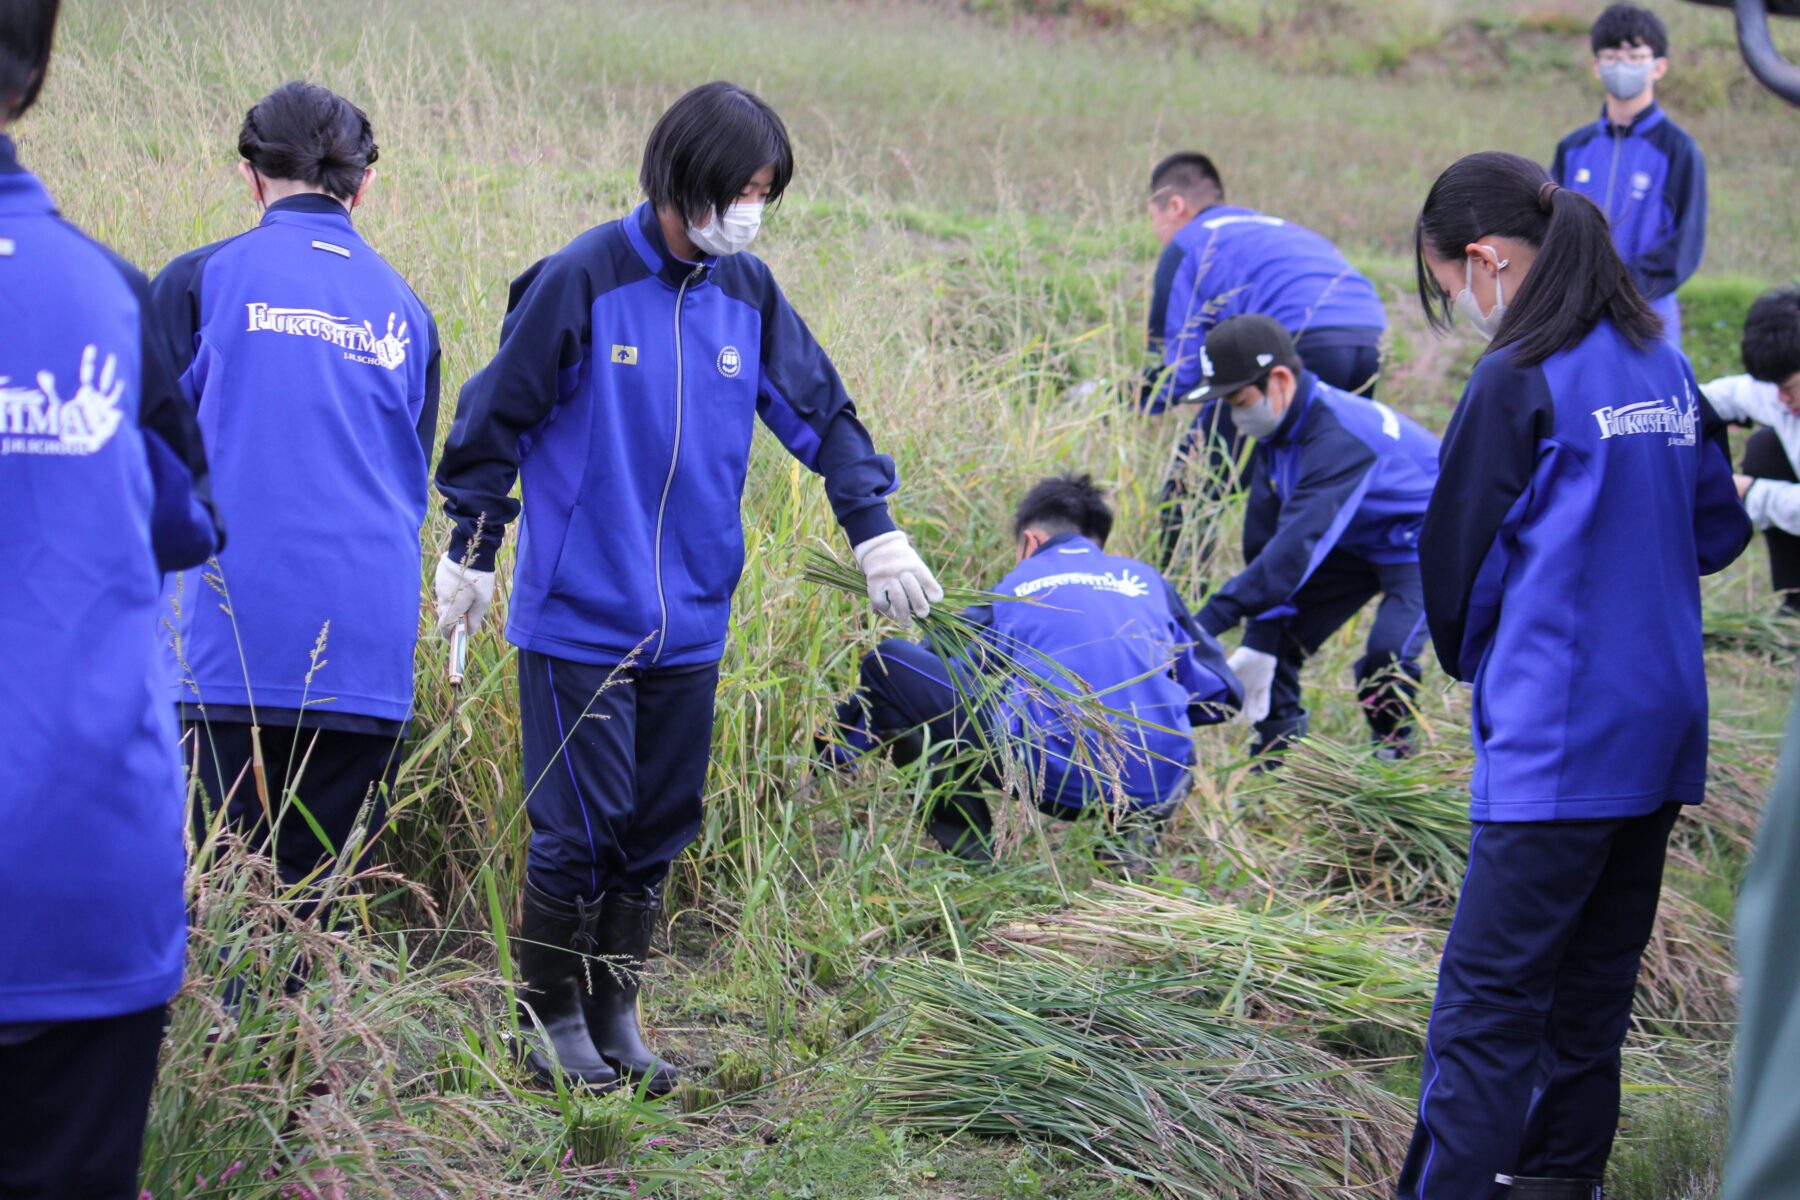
column 730, row 362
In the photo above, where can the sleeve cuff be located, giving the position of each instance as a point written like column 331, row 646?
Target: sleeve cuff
column 481, row 560
column 1263, row 636
column 867, row 523
column 1214, row 621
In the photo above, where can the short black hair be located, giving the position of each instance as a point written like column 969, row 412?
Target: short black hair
column 1629, row 25
column 709, row 145
column 308, row 133
column 1190, row 174
column 27, row 27
column 1065, row 503
column 1772, row 336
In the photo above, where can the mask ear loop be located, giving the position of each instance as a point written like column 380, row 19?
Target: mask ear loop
column 1469, row 277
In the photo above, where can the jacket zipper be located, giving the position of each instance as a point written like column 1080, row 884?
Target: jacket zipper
column 662, row 508
column 1612, row 172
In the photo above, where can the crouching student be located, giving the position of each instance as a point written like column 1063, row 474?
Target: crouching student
column 1585, row 489
column 1769, row 395
column 103, row 478
column 633, row 365
column 1085, row 621
column 1338, row 488
column 314, row 368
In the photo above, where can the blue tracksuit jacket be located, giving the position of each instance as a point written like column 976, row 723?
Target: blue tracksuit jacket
column 1095, row 622
column 1228, row 261
column 623, row 397
column 1649, row 179
column 103, row 483
column 1580, row 501
column 1342, row 473
column 315, row 371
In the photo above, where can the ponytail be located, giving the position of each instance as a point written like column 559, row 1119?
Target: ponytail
column 1577, row 278
column 27, row 28
column 312, row 135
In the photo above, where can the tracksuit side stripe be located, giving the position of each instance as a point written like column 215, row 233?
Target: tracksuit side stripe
column 562, row 748
column 1436, row 1067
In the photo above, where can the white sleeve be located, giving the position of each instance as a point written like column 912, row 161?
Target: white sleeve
column 1741, row 398
column 1772, row 502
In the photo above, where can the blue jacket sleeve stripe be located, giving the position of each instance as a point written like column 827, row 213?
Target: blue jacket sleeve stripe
column 543, row 341
column 1721, row 527
column 801, row 439
column 1487, row 463
column 1665, row 266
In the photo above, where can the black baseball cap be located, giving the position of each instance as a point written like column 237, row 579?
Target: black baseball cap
column 1241, row 351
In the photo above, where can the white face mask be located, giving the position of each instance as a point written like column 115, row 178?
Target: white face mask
column 1486, row 324
column 1259, row 420
column 732, row 232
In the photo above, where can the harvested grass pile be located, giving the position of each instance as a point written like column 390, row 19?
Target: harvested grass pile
column 1135, row 1073
column 1394, row 833
column 1309, row 964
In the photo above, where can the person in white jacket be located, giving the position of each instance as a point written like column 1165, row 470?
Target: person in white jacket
column 1769, row 395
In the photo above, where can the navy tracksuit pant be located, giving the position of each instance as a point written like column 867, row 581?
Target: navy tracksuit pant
column 74, row 1104
column 906, row 697
column 1534, row 999
column 615, row 768
column 1388, row 671
column 1349, row 367
column 336, row 775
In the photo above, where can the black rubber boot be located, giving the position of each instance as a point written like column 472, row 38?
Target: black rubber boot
column 611, row 999
column 552, row 937
column 1132, row 850
column 963, row 825
column 1273, row 738
column 1526, row 1188
column 1388, row 690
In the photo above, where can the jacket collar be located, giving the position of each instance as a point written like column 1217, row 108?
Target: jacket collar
column 21, row 192
column 1304, row 387
column 645, row 234
column 306, row 204
column 1645, row 120
column 1071, row 540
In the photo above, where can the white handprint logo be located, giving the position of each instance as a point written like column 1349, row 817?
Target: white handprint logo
column 390, row 351
column 40, row 421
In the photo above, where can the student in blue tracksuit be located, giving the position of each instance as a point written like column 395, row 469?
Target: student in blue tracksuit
column 1087, row 621
column 1338, row 487
column 1220, row 261
column 104, row 484
column 632, row 367
column 315, row 371
column 1642, row 169
column 1585, row 489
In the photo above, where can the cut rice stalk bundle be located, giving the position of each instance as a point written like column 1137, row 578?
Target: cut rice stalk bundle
column 1752, row 631
column 1135, row 1074
column 1394, row 833
column 1311, row 963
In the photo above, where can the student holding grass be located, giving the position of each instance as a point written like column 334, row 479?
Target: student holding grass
column 1087, row 622
column 314, row 368
column 1642, row 169
column 1585, row 489
column 632, row 367
column 103, row 478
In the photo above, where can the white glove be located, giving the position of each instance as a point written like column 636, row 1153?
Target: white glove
column 901, row 586
column 1256, row 671
column 461, row 592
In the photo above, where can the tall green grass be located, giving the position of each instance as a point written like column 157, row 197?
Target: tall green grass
column 966, row 237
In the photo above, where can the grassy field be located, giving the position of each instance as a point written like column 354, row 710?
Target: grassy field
column 965, row 234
